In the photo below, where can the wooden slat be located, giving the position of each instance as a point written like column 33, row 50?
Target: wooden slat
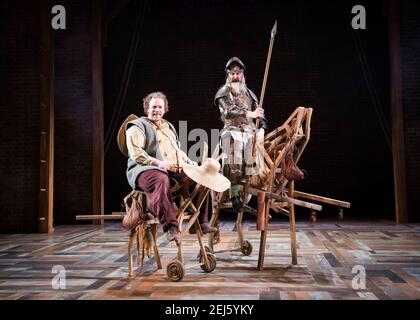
column 301, row 203
column 307, row 130
column 97, row 109
column 268, row 160
column 277, row 197
column 334, row 202
column 100, row 217
column 112, row 217
column 293, row 245
column 46, row 152
column 397, row 113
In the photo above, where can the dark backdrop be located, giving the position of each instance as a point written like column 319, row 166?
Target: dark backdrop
column 184, row 46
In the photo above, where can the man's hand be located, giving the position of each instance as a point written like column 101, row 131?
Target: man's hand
column 258, row 113
column 175, row 168
column 163, row 164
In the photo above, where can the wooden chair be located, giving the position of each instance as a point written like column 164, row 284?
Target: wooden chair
column 188, row 208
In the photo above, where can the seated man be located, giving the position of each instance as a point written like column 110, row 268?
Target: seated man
column 154, row 158
column 238, row 107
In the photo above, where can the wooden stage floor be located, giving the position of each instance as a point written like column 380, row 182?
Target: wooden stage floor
column 95, row 263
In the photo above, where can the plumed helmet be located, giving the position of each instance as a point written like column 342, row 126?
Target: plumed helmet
column 234, row 61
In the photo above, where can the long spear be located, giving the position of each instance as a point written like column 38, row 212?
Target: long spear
column 267, row 67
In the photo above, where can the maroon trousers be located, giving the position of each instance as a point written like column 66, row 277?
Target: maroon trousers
column 157, row 187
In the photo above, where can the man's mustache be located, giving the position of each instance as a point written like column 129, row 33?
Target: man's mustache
column 229, row 81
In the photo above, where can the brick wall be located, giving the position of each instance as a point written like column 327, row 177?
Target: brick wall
column 19, row 67
column 183, row 52
column 19, row 115
column 73, row 115
column 410, row 51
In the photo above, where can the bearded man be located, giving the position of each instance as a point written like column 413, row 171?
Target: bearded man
column 238, row 107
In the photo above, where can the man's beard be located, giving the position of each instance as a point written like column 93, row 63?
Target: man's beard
column 238, row 87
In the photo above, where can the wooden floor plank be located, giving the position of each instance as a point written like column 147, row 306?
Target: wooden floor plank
column 94, row 260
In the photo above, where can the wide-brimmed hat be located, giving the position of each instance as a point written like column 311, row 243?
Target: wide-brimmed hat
column 208, row 175
column 122, row 144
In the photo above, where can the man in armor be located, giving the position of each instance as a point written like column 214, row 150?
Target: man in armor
column 238, row 107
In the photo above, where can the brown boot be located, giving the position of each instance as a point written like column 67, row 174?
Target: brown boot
column 205, row 227
column 237, row 204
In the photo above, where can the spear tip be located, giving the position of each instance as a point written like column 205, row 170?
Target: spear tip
column 274, row 30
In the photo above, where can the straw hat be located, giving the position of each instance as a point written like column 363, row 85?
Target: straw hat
column 208, row 175
column 122, row 144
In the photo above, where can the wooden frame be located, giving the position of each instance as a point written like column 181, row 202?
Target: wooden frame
column 292, row 136
column 397, row 113
column 46, row 153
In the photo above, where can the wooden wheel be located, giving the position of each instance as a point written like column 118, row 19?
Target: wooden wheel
column 208, row 250
column 246, row 248
column 212, row 262
column 175, row 271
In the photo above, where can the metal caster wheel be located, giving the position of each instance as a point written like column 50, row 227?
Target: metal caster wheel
column 175, row 271
column 246, row 248
column 212, row 262
column 208, row 250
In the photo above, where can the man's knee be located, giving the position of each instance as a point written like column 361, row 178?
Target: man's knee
column 162, row 180
column 151, row 180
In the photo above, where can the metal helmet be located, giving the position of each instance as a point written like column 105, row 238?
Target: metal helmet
column 234, row 61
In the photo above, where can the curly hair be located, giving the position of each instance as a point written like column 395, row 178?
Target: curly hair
column 156, row 95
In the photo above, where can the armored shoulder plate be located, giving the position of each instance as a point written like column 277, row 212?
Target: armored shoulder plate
column 222, row 92
column 253, row 96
